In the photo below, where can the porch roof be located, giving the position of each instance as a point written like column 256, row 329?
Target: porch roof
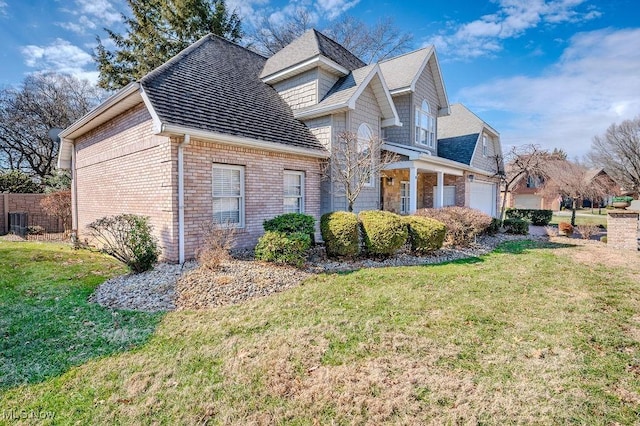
column 425, row 161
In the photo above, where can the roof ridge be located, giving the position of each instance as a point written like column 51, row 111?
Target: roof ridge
column 430, row 47
column 187, row 50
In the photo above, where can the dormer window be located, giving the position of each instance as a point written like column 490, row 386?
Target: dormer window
column 425, row 126
column 485, row 146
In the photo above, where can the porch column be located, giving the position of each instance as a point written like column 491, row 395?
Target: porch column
column 440, row 190
column 413, row 189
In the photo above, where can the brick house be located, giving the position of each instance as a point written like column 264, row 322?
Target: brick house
column 221, row 133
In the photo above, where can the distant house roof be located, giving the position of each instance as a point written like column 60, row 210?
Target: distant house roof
column 214, row 86
column 311, row 45
column 458, row 148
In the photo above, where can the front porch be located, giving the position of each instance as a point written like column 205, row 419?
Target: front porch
column 430, row 189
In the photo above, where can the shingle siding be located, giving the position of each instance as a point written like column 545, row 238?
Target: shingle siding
column 401, row 134
column 299, row 91
column 326, row 81
column 425, row 89
column 486, row 162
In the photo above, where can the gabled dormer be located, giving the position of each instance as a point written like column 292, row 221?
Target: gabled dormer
column 304, row 71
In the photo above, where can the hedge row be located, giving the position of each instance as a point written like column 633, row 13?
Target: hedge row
column 535, row 216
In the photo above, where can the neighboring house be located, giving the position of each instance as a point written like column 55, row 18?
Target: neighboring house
column 221, row 133
column 528, row 193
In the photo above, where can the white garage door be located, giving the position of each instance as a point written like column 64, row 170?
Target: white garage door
column 483, row 197
column 527, row 201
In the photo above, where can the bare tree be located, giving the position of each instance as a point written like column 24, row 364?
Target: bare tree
column 369, row 43
column 618, row 152
column 28, row 113
column 573, row 181
column 355, row 163
column 521, row 161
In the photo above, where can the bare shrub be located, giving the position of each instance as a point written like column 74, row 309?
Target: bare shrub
column 58, row 204
column 217, row 242
column 463, row 224
column 588, row 230
column 551, row 231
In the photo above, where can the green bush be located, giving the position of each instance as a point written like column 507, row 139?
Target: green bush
column 279, row 247
column 535, row 216
column 128, row 238
column 341, row 234
column 494, row 227
column 463, row 224
column 516, row 226
column 425, row 234
column 384, row 232
column 290, row 223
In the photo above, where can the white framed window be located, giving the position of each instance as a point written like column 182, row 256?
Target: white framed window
column 485, row 145
column 293, row 192
column 449, row 195
column 425, row 126
column 228, row 194
column 365, row 136
column 404, row 197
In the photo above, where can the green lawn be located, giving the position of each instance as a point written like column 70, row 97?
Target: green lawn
column 583, row 217
column 522, row 335
column 46, row 323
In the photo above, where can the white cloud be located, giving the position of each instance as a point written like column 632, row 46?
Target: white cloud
column 60, row 56
column 331, row 9
column 3, row 8
column 594, row 83
column 103, row 10
column 514, row 17
column 80, row 27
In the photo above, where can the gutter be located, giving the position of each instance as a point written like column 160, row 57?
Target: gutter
column 185, row 142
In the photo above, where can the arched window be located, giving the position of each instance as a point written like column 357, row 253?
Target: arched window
column 425, row 126
column 365, row 137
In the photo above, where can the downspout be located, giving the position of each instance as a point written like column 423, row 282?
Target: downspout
column 185, row 142
column 74, row 194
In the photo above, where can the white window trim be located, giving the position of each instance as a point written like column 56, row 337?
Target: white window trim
column 450, row 188
column 242, row 197
column 485, row 147
column 302, row 189
column 407, row 197
column 363, row 130
column 431, row 125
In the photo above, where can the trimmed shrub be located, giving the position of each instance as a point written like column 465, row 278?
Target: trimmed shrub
column 384, row 232
column 494, row 227
column 537, row 217
column 425, row 234
column 290, row 223
column 35, row 230
column 279, row 247
column 463, row 224
column 603, row 239
column 516, row 226
column 341, row 234
column 128, row 238
column 565, row 228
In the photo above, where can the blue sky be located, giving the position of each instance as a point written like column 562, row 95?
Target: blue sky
column 550, row 72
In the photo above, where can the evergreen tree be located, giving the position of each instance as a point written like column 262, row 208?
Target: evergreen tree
column 158, row 30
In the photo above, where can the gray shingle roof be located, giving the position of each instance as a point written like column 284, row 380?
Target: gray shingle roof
column 312, row 43
column 458, row 148
column 214, row 85
column 399, row 72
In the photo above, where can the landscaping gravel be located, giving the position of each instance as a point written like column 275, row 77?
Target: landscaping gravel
column 168, row 287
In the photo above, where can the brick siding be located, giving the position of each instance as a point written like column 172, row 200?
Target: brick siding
column 29, row 203
column 622, row 230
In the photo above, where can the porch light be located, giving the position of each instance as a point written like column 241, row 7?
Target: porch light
column 470, row 177
column 389, row 180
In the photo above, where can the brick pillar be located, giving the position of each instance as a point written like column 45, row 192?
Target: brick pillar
column 622, row 229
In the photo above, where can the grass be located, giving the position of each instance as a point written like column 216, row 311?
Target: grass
column 522, row 335
column 46, row 323
column 583, row 217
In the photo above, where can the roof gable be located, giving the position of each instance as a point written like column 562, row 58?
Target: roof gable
column 311, row 46
column 402, row 72
column 462, row 121
column 458, row 148
column 214, row 86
